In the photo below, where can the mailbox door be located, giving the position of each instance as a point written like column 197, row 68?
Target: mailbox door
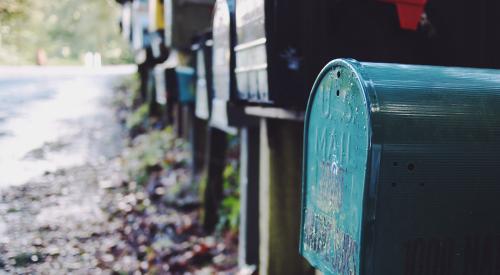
column 140, row 18
column 251, row 52
column 202, row 109
column 223, row 63
column 336, row 166
column 169, row 21
column 222, row 50
column 127, row 21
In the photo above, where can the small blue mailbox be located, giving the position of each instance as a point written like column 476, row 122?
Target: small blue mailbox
column 186, row 84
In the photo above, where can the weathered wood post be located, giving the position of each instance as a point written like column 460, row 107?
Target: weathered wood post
column 280, row 193
column 202, row 51
column 248, row 253
column 216, row 159
column 219, row 126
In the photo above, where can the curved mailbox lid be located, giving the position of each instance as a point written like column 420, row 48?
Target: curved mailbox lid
column 140, row 23
column 336, row 153
column 223, row 54
column 223, row 63
column 400, row 167
column 203, row 81
column 126, row 20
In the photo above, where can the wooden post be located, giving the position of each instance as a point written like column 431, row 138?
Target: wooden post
column 198, row 143
column 279, row 196
column 154, row 108
column 143, row 70
column 216, row 156
column 178, row 119
column 248, row 253
column 187, row 121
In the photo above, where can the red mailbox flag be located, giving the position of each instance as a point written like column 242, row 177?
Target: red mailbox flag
column 409, row 12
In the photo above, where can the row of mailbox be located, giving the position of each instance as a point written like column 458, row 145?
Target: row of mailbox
column 399, row 169
column 268, row 52
column 400, row 162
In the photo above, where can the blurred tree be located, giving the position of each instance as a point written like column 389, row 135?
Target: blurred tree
column 64, row 29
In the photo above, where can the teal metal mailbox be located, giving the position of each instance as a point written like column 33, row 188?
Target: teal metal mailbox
column 401, row 170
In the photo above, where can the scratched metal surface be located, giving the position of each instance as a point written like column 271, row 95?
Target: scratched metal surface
column 428, row 202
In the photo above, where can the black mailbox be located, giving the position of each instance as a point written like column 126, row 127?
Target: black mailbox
column 268, row 52
column 282, row 44
column 185, row 19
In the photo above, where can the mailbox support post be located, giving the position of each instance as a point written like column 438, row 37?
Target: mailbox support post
column 154, row 108
column 177, row 110
column 199, row 141
column 143, row 69
column 216, row 154
column 279, row 197
column 248, row 253
column 187, row 121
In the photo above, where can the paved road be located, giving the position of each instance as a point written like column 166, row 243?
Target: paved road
column 54, row 117
column 58, row 140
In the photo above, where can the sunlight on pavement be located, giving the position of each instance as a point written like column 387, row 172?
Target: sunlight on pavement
column 51, row 121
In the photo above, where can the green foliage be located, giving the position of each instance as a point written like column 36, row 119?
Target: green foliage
column 202, row 187
column 230, row 207
column 231, row 211
column 231, row 178
column 158, row 149
column 126, row 91
column 138, row 118
column 147, row 151
column 25, row 259
column 64, row 29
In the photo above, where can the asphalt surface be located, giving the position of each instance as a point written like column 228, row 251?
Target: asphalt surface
column 54, row 117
